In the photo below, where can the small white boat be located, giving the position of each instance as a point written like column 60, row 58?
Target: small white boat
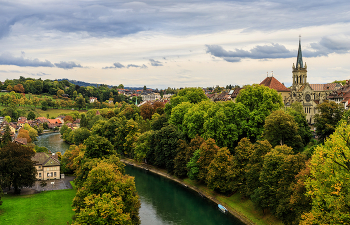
column 222, row 208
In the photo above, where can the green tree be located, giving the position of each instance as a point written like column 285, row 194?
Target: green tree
column 225, row 122
column 97, row 147
column 330, row 113
column 193, row 166
column 191, row 95
column 180, row 168
column 16, row 166
column 252, row 169
column 31, row 115
column 164, row 145
column 280, row 128
column 280, row 167
column 178, row 113
column 329, row 181
column 296, row 110
column 108, row 196
column 260, row 102
column 6, row 138
column 193, row 122
column 207, row 152
column 142, row 145
column 84, row 120
column 80, row 102
column 219, row 176
column 80, row 135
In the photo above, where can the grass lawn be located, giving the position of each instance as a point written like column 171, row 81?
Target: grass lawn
column 51, row 207
column 236, row 202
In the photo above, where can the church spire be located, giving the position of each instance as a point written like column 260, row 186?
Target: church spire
column 300, row 57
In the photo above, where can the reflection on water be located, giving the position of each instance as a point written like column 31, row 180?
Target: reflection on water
column 164, row 201
column 53, row 142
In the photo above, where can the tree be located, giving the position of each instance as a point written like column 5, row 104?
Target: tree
column 260, row 102
column 16, row 166
column 33, row 134
column 60, row 92
column 193, row 166
column 108, row 197
column 22, row 133
column 296, row 110
column 219, row 177
column 280, row 167
column 68, row 119
column 84, row 121
column 18, row 88
column 97, row 147
column 146, row 111
column 178, row 113
column 6, row 138
column 330, row 113
column 80, row 102
column 180, row 162
column 280, row 128
column 191, row 95
column 207, row 152
column 329, row 181
column 225, row 123
column 31, row 115
column 80, row 135
column 142, row 146
column 252, row 169
column 163, row 149
column 193, row 122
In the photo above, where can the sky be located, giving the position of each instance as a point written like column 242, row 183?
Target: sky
column 168, row 43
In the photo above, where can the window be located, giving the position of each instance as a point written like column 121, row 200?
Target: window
column 55, row 174
column 39, row 167
column 48, row 174
column 39, row 174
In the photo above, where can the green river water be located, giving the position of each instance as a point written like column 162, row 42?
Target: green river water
column 163, row 201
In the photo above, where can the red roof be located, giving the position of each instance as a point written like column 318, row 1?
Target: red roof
column 273, row 83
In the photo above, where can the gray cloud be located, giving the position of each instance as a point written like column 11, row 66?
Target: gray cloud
column 137, row 66
column 40, row 74
column 258, row 52
column 155, row 63
column 120, row 18
column 67, row 65
column 8, row 59
column 326, row 46
column 115, row 65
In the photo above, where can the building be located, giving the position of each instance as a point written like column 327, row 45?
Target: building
column 310, row 95
column 273, row 83
column 47, row 166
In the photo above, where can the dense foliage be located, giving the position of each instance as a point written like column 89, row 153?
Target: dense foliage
column 252, row 146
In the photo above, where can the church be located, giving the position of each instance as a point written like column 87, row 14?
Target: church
column 310, row 95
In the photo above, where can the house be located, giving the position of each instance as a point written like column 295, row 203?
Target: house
column 52, row 123
column 273, row 83
column 93, row 99
column 47, row 166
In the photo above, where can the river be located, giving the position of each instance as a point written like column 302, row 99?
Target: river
column 163, row 201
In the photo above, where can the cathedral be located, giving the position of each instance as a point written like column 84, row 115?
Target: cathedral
column 310, row 95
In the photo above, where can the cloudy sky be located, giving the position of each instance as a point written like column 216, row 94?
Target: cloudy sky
column 168, row 43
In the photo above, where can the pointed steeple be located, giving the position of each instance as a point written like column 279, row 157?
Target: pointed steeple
column 300, row 57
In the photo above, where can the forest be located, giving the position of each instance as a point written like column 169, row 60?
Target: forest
column 253, row 146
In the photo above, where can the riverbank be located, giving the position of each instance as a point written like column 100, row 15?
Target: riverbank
column 233, row 204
